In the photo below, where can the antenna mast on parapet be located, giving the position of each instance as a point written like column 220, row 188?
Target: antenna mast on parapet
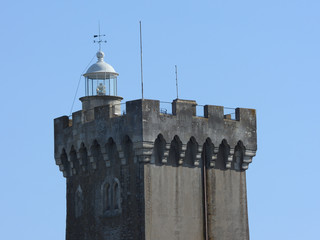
column 177, row 81
column 99, row 41
column 141, row 60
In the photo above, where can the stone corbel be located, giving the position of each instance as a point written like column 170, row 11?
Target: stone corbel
column 198, row 156
column 229, row 159
column 72, row 165
column 105, row 157
column 61, row 167
column 182, row 153
column 65, row 174
column 72, row 169
column 80, row 158
column 214, row 157
column 122, row 157
column 57, row 154
column 121, row 154
column 144, row 151
column 247, row 158
column 91, row 159
column 83, row 168
column 166, row 153
column 58, row 161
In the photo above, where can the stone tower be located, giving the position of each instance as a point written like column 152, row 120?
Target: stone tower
column 147, row 175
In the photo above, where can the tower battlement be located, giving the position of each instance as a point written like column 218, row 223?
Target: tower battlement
column 179, row 107
column 143, row 123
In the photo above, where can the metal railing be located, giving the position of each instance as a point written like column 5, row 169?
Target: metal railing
column 166, row 108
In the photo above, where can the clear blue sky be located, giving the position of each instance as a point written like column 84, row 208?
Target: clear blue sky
column 256, row 54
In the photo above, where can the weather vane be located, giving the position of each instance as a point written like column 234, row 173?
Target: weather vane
column 99, row 41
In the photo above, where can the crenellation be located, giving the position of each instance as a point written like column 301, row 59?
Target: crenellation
column 103, row 113
column 184, row 107
column 61, row 123
column 215, row 113
column 134, row 109
column 212, row 124
column 77, row 119
column 150, row 119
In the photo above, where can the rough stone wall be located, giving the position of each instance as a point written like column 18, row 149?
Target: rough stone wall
column 227, row 205
column 94, row 156
column 174, row 206
column 95, row 222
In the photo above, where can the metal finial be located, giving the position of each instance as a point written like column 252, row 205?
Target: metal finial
column 99, row 41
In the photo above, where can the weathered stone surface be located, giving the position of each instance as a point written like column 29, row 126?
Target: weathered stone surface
column 173, row 202
column 148, row 175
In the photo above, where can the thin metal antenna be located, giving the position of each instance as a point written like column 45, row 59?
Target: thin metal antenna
column 141, row 60
column 99, row 37
column 177, row 81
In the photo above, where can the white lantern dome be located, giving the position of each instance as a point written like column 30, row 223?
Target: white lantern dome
column 100, row 69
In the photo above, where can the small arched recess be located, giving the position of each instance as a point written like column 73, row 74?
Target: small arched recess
column 191, row 152
column 65, row 163
column 222, row 158
column 74, row 160
column 83, row 157
column 96, row 151
column 238, row 156
column 175, row 151
column 158, row 150
column 112, row 152
column 207, row 152
column 128, row 150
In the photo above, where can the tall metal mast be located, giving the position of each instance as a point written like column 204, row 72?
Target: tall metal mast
column 141, row 60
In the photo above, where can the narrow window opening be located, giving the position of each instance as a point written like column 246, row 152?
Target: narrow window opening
column 106, row 197
column 116, row 196
column 78, row 202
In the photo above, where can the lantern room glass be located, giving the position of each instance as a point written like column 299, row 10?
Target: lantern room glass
column 101, row 87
